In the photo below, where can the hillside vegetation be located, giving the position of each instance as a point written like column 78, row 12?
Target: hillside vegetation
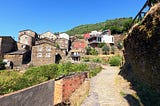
column 117, row 26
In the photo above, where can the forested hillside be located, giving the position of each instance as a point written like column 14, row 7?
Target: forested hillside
column 117, row 26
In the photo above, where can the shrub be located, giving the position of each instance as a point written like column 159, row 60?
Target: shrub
column 115, row 61
column 12, row 81
column 95, row 71
column 97, row 60
column 86, row 59
column 2, row 64
column 94, row 51
column 105, row 49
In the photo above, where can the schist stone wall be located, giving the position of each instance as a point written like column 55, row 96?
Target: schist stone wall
column 66, row 86
column 142, row 48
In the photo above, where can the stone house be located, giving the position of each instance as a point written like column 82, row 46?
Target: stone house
column 7, row 44
column 18, row 57
column 27, row 37
column 48, row 35
column 44, row 52
column 79, row 44
column 63, row 45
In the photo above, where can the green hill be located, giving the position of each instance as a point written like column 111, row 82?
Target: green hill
column 117, row 26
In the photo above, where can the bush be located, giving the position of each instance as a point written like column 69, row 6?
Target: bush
column 97, row 60
column 12, row 81
column 115, row 61
column 95, row 71
column 86, row 59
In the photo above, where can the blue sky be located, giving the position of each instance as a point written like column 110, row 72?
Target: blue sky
column 60, row 15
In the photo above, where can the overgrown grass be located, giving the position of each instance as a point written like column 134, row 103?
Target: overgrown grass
column 12, row 81
column 115, row 61
column 95, row 59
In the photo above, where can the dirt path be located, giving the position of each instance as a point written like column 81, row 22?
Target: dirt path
column 103, row 91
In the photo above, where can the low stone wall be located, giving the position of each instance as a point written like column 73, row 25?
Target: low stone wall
column 39, row 95
column 66, row 86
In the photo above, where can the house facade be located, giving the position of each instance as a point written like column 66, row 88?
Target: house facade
column 48, row 35
column 79, row 44
column 94, row 39
column 7, row 44
column 63, row 45
column 107, row 37
column 100, row 37
column 27, row 37
column 43, row 52
column 18, row 57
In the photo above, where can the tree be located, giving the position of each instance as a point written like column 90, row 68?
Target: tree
column 94, row 51
column 100, row 45
column 105, row 49
column 88, row 50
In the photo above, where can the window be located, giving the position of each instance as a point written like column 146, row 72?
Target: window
column 26, row 37
column 48, row 48
column 39, row 55
column 48, row 55
column 39, row 48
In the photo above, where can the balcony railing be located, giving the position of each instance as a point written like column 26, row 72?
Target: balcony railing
column 75, row 55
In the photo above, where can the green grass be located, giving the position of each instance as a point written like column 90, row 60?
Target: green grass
column 115, row 61
column 12, row 81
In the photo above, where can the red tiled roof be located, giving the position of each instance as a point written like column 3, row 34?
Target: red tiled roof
column 86, row 36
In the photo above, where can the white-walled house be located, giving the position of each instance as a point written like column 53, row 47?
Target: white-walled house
column 64, row 35
column 107, row 38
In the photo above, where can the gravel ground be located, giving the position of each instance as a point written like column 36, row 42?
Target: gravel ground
column 103, row 91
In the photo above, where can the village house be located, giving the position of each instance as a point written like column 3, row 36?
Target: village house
column 18, row 57
column 78, row 49
column 7, row 44
column 48, row 35
column 63, row 45
column 107, row 37
column 100, row 37
column 44, row 52
column 94, row 39
column 64, row 35
column 27, row 38
column 79, row 44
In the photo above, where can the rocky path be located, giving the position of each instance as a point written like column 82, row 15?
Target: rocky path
column 103, row 91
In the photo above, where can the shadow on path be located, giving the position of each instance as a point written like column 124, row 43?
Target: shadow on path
column 146, row 96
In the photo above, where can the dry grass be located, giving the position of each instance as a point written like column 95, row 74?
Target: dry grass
column 80, row 94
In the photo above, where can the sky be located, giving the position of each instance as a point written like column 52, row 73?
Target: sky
column 60, row 15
